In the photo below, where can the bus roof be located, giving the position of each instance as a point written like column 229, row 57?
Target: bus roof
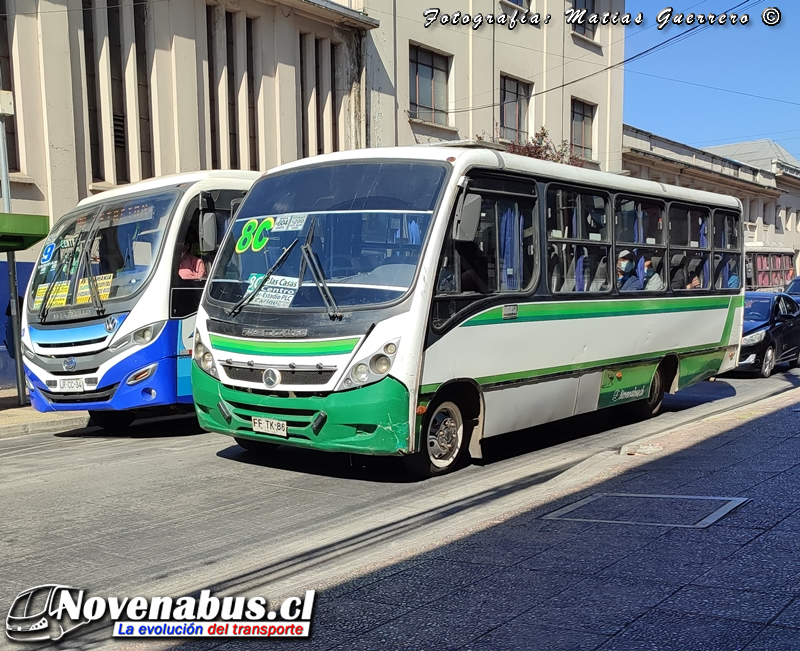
column 170, row 180
column 463, row 157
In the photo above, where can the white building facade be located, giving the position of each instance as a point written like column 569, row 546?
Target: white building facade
column 109, row 92
column 763, row 175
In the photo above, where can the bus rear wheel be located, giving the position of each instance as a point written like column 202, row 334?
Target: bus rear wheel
column 444, row 442
column 257, row 447
column 651, row 406
column 112, row 420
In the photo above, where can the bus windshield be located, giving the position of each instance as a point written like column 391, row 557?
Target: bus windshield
column 356, row 232
column 101, row 253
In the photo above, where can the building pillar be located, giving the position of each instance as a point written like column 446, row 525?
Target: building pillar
column 185, row 91
column 287, row 88
column 240, row 76
column 131, row 90
column 159, row 46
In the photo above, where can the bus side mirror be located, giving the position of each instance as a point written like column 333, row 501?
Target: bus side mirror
column 208, row 232
column 467, row 217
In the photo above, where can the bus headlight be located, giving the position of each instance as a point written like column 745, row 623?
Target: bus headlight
column 148, row 333
column 755, row 338
column 370, row 369
column 203, row 357
column 360, row 373
column 27, row 351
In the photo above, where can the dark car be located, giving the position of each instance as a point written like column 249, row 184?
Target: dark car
column 771, row 332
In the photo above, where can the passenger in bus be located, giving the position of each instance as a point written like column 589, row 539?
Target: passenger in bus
column 190, row 267
column 627, row 281
column 652, row 281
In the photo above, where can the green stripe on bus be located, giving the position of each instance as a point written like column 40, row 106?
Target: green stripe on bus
column 284, row 348
column 597, row 309
column 719, row 302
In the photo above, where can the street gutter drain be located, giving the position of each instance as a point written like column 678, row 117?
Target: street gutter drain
column 688, row 511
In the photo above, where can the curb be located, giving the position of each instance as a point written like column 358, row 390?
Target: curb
column 44, row 427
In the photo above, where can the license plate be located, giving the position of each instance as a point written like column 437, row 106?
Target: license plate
column 270, row 426
column 70, row 385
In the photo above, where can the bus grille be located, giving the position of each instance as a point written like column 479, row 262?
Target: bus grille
column 288, row 377
column 296, row 418
column 103, row 395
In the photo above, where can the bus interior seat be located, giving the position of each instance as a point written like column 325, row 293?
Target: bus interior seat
column 569, row 279
column 696, row 269
column 555, row 269
column 600, row 280
column 658, row 264
column 587, row 271
column 676, row 265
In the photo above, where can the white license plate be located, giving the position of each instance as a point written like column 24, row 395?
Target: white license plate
column 270, row 426
column 70, row 385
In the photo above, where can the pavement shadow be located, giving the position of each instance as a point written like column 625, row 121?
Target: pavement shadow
column 525, row 581
column 163, row 427
column 629, row 574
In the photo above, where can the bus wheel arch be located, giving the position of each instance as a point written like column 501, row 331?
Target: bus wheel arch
column 669, row 369
column 457, row 405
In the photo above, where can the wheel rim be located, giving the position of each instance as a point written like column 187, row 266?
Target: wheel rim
column 445, row 435
column 769, row 361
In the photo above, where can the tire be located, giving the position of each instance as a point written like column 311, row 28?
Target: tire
column 651, row 406
column 258, row 447
column 768, row 363
column 444, row 441
column 112, row 420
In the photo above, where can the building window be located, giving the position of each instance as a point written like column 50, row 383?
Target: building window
column 233, row 131
column 143, row 90
column 5, row 70
column 428, row 85
column 582, row 116
column 117, row 93
column 514, row 97
column 251, row 99
column 583, row 8
column 212, row 88
column 91, row 91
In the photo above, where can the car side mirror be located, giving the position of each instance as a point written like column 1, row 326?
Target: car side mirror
column 468, row 216
column 208, row 232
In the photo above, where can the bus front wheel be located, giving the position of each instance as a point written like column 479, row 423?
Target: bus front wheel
column 443, row 442
column 112, row 419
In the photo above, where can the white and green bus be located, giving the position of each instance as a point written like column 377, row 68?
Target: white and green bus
column 416, row 301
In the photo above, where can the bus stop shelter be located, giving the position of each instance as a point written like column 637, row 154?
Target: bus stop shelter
column 17, row 233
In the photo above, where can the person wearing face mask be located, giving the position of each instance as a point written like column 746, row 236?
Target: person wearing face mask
column 652, row 281
column 627, row 281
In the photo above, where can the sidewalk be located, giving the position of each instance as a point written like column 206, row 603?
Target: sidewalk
column 524, row 581
column 16, row 420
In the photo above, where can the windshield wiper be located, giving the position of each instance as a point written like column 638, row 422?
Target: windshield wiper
column 263, row 281
column 319, row 280
column 80, row 241
column 97, row 302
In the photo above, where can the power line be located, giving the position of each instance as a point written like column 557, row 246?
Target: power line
column 722, row 141
column 723, row 90
column 747, row 4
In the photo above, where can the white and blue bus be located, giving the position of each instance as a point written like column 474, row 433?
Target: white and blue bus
column 110, row 307
column 416, row 301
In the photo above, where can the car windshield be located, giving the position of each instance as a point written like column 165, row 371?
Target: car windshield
column 793, row 287
column 357, row 230
column 115, row 243
column 757, row 309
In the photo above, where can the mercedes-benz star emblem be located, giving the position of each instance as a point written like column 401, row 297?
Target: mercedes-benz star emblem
column 272, row 378
column 111, row 324
column 69, row 364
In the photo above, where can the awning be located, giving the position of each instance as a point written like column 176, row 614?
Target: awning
column 19, row 232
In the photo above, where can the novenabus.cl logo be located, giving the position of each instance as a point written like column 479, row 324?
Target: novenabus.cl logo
column 37, row 614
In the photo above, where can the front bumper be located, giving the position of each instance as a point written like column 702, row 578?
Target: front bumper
column 369, row 420
column 114, row 394
column 751, row 357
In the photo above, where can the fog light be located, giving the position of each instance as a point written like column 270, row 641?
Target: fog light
column 208, row 361
column 141, row 375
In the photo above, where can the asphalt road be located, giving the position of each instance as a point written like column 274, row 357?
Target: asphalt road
column 168, row 510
